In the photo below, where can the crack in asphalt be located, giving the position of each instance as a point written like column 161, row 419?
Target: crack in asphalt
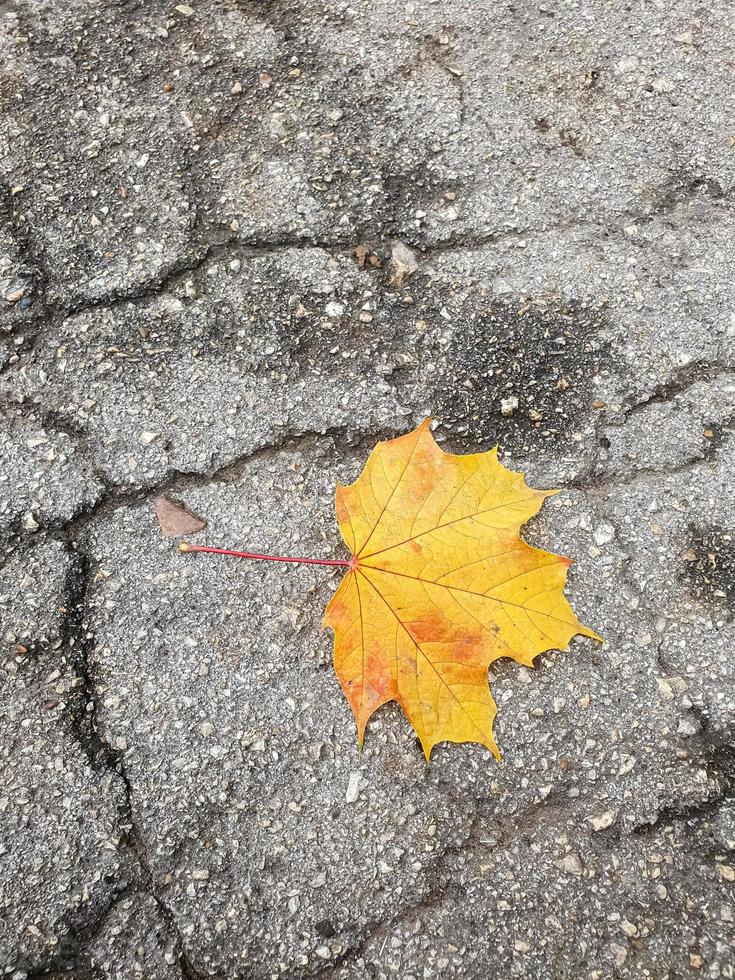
column 177, row 481
column 719, row 761
column 81, row 716
column 256, row 247
column 684, row 378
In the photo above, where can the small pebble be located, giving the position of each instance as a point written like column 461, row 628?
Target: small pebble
column 687, row 727
column 604, row 534
column 508, row 406
column 603, row 821
column 353, row 787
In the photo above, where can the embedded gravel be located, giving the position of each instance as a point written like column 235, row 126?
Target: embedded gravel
column 239, row 244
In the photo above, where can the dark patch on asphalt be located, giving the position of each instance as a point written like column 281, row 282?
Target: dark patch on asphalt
column 547, row 360
column 709, row 564
column 684, row 186
column 325, row 929
column 715, row 436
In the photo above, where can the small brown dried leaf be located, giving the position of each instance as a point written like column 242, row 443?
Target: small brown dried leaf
column 176, row 519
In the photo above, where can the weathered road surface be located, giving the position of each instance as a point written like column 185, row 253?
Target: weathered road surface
column 241, row 241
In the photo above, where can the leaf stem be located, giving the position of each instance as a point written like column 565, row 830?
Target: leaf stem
column 185, row 547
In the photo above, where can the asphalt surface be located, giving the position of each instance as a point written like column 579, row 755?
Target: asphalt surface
column 242, row 241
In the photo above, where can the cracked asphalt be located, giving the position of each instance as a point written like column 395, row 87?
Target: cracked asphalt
column 240, row 242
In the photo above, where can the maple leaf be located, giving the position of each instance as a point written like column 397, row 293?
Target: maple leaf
column 440, row 585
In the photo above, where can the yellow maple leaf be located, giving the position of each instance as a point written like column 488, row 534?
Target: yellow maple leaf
column 440, row 585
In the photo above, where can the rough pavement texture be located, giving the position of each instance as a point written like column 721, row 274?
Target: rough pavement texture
column 239, row 243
